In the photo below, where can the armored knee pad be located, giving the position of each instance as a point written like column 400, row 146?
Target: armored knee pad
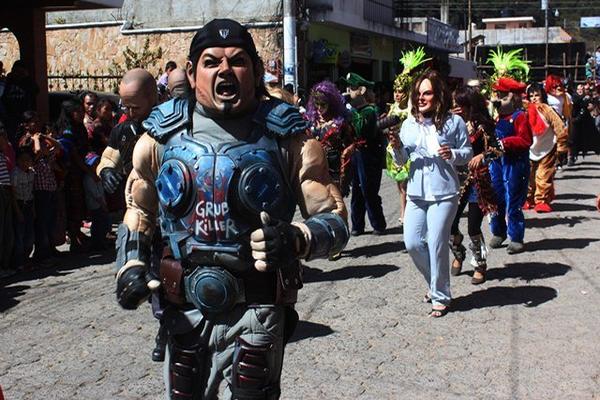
column 186, row 373
column 251, row 372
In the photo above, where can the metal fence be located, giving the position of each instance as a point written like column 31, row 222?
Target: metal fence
column 99, row 83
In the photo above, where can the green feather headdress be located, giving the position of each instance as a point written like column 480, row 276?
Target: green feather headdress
column 410, row 60
column 508, row 63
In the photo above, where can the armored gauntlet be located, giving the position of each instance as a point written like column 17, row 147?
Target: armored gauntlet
column 277, row 244
column 111, row 179
column 133, row 257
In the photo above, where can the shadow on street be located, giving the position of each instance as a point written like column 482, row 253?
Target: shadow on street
column 63, row 266
column 527, row 271
column 9, row 295
column 529, row 296
column 582, row 168
column 372, row 250
column 574, row 196
column 586, row 177
column 548, row 222
column 67, row 262
column 559, row 244
column 307, row 329
column 348, row 272
column 572, row 207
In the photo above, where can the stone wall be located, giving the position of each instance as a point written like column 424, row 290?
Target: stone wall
column 93, row 50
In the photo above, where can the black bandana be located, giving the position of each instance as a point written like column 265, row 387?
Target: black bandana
column 222, row 33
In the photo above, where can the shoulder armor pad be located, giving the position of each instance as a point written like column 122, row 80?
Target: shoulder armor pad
column 166, row 119
column 281, row 118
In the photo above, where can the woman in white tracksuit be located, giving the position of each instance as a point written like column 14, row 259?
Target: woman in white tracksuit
column 435, row 141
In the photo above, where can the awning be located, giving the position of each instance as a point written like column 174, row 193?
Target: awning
column 103, row 3
column 58, row 5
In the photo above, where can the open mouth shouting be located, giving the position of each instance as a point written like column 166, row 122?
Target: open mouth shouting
column 227, row 90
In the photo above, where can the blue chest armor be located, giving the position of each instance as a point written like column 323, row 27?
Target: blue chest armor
column 210, row 199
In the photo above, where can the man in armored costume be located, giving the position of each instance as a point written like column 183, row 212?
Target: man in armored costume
column 510, row 172
column 138, row 95
column 223, row 171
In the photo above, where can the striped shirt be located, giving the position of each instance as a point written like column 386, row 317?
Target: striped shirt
column 44, row 176
column 22, row 182
column 4, row 175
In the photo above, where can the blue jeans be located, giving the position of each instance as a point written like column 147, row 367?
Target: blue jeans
column 510, row 179
column 366, row 180
column 24, row 233
column 426, row 233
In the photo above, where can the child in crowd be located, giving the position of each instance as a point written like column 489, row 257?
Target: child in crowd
column 96, row 205
column 22, row 182
column 45, row 195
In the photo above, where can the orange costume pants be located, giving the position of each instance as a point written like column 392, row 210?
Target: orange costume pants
column 541, row 179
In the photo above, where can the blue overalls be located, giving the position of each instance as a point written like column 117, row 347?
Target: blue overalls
column 510, row 180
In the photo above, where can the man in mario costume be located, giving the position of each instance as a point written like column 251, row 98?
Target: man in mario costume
column 510, row 172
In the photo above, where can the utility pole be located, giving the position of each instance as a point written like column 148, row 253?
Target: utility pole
column 289, row 44
column 470, row 21
column 545, row 8
column 467, row 46
column 445, row 11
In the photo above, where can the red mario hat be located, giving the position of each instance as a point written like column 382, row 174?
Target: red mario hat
column 509, row 85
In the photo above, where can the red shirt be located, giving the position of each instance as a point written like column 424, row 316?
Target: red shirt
column 521, row 139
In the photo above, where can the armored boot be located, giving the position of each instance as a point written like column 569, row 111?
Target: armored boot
column 479, row 260
column 459, row 252
column 158, row 354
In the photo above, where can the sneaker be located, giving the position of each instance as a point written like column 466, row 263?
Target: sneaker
column 496, row 241
column 356, row 232
column 377, row 232
column 543, row 208
column 515, row 247
column 528, row 205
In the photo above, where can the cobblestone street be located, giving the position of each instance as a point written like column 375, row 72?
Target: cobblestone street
column 529, row 332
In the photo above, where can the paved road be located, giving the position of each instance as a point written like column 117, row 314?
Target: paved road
column 530, row 332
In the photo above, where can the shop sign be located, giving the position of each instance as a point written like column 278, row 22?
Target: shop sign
column 442, row 36
column 360, row 45
column 590, row 22
column 324, row 52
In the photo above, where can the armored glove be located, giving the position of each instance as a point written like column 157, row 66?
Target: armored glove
column 276, row 244
column 132, row 287
column 133, row 257
column 111, row 179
